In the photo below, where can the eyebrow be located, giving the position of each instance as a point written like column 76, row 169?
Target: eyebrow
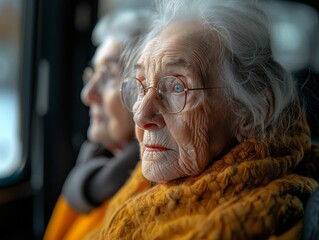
column 112, row 59
column 139, row 66
column 106, row 61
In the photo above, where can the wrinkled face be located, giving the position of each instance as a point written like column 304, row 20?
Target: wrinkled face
column 182, row 144
column 111, row 124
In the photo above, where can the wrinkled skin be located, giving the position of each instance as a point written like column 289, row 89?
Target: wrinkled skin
column 182, row 144
column 111, row 123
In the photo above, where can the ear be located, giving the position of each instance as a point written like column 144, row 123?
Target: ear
column 245, row 130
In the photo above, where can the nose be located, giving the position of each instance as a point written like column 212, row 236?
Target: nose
column 90, row 93
column 148, row 115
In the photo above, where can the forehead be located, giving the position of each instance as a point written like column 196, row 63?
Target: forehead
column 108, row 51
column 184, row 44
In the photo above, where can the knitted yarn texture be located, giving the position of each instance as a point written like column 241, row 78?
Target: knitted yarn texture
column 253, row 192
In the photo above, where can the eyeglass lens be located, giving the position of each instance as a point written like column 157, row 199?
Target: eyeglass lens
column 170, row 91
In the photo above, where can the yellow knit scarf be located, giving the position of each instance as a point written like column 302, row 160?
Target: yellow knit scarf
column 251, row 193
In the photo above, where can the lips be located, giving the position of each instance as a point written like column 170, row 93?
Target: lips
column 96, row 117
column 155, row 148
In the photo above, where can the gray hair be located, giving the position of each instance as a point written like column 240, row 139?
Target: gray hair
column 122, row 24
column 261, row 89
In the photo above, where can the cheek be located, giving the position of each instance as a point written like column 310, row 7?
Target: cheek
column 121, row 124
column 222, row 128
column 139, row 133
column 112, row 106
column 190, row 131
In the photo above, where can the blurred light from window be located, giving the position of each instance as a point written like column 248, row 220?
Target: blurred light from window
column 294, row 30
column 10, row 137
column 10, row 146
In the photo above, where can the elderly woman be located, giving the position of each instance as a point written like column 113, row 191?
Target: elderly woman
column 225, row 147
column 107, row 159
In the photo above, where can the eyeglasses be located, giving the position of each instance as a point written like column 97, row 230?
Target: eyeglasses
column 102, row 77
column 171, row 93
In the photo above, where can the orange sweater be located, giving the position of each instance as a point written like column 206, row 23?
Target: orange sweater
column 67, row 224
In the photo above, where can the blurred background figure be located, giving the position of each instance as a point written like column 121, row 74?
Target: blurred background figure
column 108, row 157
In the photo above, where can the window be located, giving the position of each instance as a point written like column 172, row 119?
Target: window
column 10, row 53
column 294, row 34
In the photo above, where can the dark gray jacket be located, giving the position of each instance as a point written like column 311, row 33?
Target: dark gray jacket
column 98, row 175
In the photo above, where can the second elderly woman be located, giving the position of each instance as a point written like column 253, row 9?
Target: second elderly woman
column 222, row 133
column 111, row 152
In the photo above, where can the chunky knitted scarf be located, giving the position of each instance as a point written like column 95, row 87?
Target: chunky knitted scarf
column 253, row 192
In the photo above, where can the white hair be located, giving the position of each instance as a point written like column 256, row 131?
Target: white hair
column 259, row 86
column 122, row 24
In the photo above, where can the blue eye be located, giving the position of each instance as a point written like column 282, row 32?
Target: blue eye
column 178, row 88
column 140, row 91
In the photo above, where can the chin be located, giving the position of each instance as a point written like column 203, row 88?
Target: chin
column 96, row 135
column 159, row 174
